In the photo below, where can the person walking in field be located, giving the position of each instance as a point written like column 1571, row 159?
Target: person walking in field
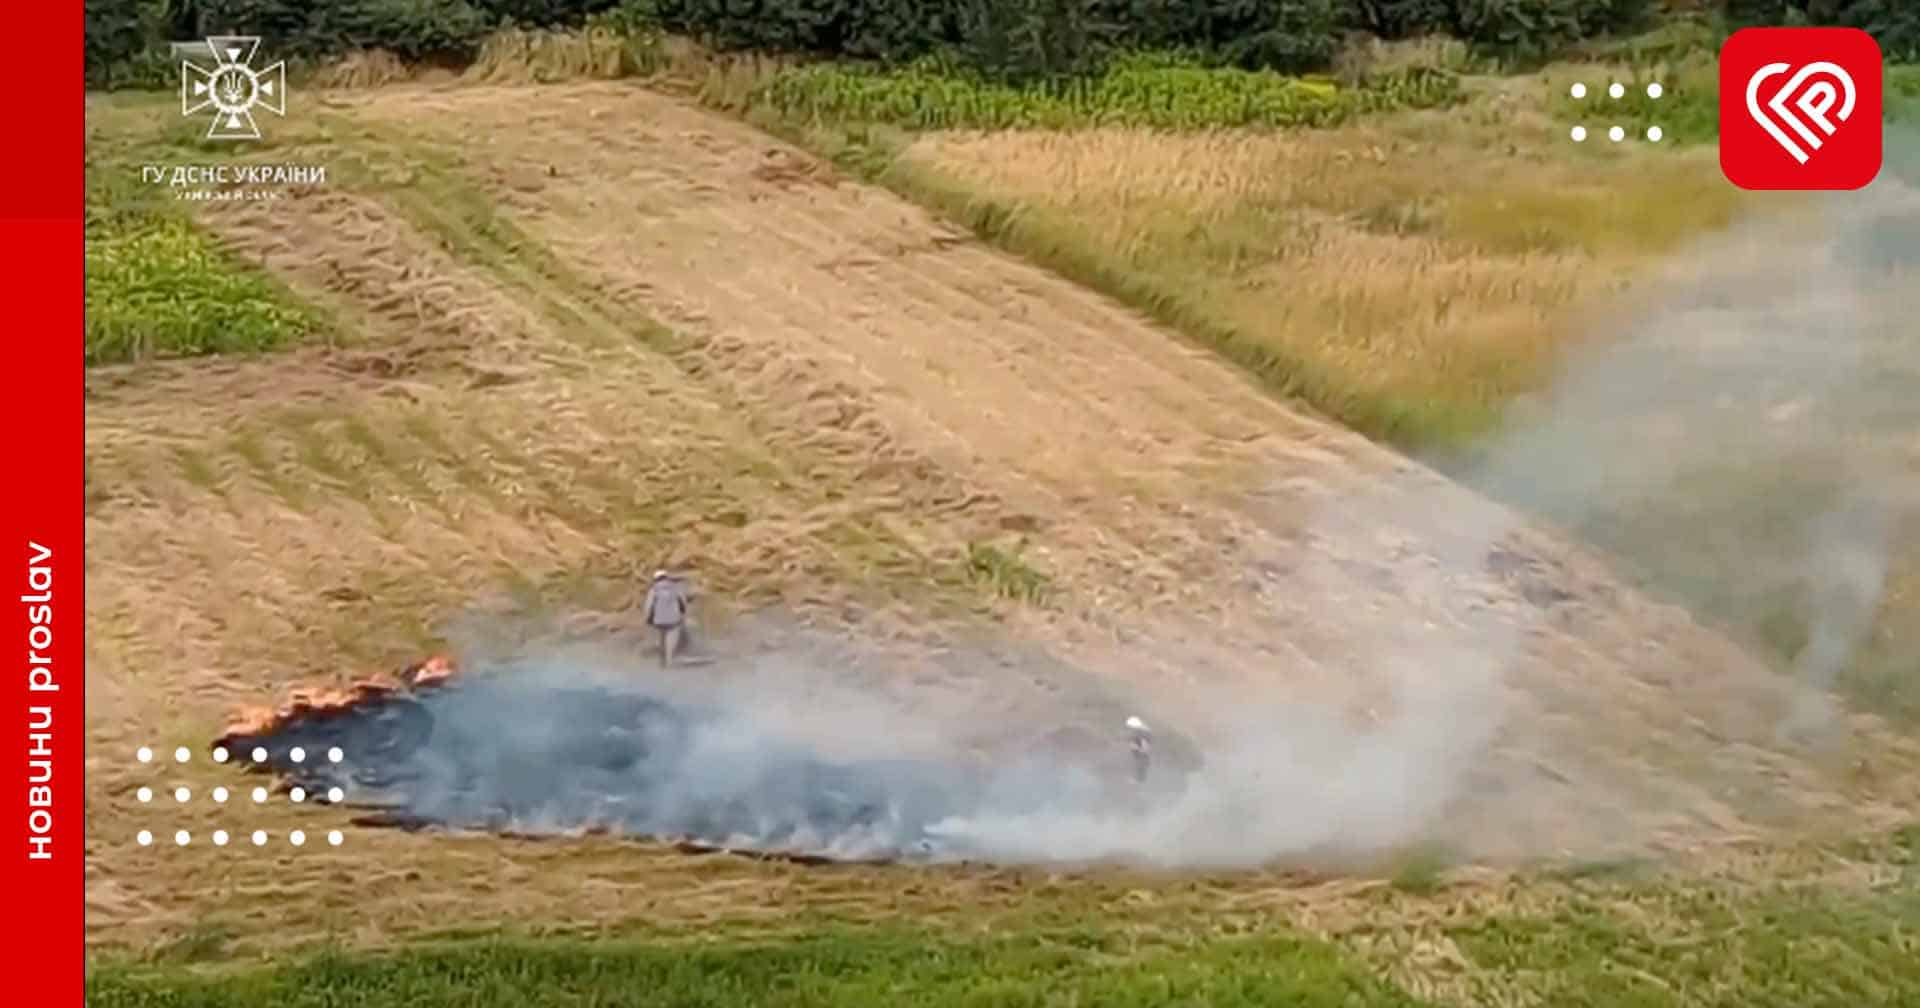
column 1140, row 742
column 666, row 612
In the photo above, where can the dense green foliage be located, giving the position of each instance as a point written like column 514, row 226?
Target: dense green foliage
column 123, row 35
column 1008, row 40
column 545, row 13
column 1507, row 27
column 114, row 33
column 1005, row 39
column 1135, row 91
column 1038, row 38
column 1020, row 38
column 1895, row 24
column 120, row 49
column 413, row 29
column 1002, row 39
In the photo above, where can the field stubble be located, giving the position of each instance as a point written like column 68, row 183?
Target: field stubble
column 883, row 390
column 1420, row 276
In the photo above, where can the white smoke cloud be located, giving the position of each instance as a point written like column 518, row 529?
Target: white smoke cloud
column 1740, row 432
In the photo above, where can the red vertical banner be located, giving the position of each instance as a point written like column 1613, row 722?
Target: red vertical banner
column 42, row 230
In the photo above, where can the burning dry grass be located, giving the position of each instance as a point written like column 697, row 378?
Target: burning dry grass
column 320, row 703
column 274, row 517
column 512, row 424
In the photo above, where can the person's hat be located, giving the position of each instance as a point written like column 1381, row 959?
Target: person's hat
column 659, row 574
column 1136, row 724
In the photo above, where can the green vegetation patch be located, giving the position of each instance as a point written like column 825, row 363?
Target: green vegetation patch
column 1154, row 91
column 1007, row 573
column 157, row 286
column 1798, row 947
column 852, row 967
column 1843, row 936
column 1686, row 105
column 1903, row 93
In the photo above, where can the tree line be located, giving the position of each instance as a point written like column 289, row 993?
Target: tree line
column 1000, row 38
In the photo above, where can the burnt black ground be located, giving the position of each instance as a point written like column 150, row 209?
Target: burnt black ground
column 528, row 747
column 515, row 753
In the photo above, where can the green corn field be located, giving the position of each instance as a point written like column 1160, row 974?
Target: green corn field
column 1142, row 93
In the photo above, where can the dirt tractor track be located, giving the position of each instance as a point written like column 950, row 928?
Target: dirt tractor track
column 609, row 330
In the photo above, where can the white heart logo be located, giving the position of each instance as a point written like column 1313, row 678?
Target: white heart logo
column 1814, row 101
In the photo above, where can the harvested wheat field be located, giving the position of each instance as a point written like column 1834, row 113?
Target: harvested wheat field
column 607, row 331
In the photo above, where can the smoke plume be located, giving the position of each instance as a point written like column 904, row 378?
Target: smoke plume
column 1738, row 432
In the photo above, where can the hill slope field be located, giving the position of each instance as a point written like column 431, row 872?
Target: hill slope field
column 589, row 334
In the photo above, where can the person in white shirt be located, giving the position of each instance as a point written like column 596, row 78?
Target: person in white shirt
column 666, row 612
column 1142, row 747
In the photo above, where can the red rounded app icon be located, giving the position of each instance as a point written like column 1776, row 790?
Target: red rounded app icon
column 1800, row 108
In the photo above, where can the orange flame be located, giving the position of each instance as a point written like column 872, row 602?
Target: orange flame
column 308, row 702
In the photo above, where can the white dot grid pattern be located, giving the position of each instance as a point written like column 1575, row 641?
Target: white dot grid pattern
column 220, row 838
column 260, row 838
column 222, row 754
column 183, row 794
column 1616, row 90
